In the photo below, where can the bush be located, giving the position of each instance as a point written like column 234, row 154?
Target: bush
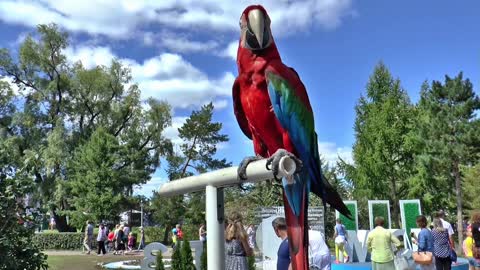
column 152, row 234
column 187, row 258
column 60, row 241
column 176, row 263
column 159, row 262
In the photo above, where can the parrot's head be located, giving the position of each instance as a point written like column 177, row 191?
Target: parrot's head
column 255, row 34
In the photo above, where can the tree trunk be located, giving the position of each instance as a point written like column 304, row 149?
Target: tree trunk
column 395, row 206
column 61, row 223
column 165, row 235
column 458, row 191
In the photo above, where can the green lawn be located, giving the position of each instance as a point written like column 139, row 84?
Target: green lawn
column 82, row 262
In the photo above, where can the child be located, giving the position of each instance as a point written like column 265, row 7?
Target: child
column 468, row 247
column 111, row 239
column 131, row 241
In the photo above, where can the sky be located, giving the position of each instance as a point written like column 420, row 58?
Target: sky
column 183, row 51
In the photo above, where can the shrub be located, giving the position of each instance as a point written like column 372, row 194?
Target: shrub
column 152, row 234
column 187, row 257
column 159, row 263
column 176, row 263
column 60, row 241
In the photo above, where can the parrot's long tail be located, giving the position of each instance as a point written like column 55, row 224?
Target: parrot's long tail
column 297, row 234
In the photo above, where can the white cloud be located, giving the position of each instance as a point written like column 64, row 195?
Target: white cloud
column 171, row 132
column 167, row 77
column 121, row 19
column 330, row 152
column 183, row 45
column 90, row 56
column 231, row 50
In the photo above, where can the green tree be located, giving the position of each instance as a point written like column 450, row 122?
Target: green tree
column 471, row 188
column 200, row 137
column 187, row 258
column 176, row 262
column 159, row 262
column 450, row 131
column 17, row 227
column 382, row 151
column 62, row 104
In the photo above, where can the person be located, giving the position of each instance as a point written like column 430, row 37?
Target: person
column 425, row 240
column 251, row 236
column 319, row 253
column 101, row 236
column 441, row 215
column 120, row 241
column 87, row 240
column 202, row 233
column 475, row 262
column 441, row 245
column 283, row 255
column 126, row 229
column 177, row 235
column 52, row 223
column 467, row 246
column 236, row 244
column 110, row 243
column 340, row 237
column 379, row 243
column 131, row 241
column 142, row 239
column 115, row 234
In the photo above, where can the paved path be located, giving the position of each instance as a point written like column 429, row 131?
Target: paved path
column 94, row 253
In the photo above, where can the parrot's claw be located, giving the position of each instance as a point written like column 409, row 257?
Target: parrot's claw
column 273, row 162
column 242, row 169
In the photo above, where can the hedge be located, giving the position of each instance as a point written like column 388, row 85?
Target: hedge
column 60, row 241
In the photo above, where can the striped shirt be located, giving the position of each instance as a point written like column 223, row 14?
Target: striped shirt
column 441, row 244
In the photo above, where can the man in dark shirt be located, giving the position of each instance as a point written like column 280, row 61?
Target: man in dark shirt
column 283, row 256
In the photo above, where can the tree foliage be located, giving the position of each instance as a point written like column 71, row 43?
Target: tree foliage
column 58, row 109
column 448, row 130
column 200, row 137
column 382, row 152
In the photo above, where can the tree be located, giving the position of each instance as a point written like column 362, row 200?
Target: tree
column 382, row 151
column 470, row 186
column 60, row 105
column 200, row 137
column 16, row 228
column 176, row 262
column 450, row 130
column 187, row 258
column 159, row 262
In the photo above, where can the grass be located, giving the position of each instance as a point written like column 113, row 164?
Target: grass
column 82, row 262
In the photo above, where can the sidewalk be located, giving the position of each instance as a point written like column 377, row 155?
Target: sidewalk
column 93, row 253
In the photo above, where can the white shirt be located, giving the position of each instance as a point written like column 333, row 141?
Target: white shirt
column 317, row 243
column 447, row 226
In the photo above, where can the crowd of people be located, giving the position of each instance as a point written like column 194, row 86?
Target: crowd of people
column 240, row 243
column 118, row 240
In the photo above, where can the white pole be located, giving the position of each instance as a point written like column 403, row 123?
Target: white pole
column 141, row 214
column 215, row 227
column 256, row 172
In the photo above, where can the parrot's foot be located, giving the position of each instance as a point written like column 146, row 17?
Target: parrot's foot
column 274, row 161
column 242, row 169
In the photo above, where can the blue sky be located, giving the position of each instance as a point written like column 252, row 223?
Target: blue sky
column 183, row 51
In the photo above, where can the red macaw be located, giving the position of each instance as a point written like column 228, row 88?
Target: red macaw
column 272, row 108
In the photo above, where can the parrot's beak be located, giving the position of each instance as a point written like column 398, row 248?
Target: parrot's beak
column 258, row 34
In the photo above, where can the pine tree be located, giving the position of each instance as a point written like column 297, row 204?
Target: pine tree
column 382, row 154
column 159, row 263
column 176, row 263
column 449, row 128
column 187, row 258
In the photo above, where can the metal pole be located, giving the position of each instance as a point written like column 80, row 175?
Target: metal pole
column 215, row 227
column 141, row 213
column 256, row 172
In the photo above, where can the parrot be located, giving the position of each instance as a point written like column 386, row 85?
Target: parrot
column 272, row 108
